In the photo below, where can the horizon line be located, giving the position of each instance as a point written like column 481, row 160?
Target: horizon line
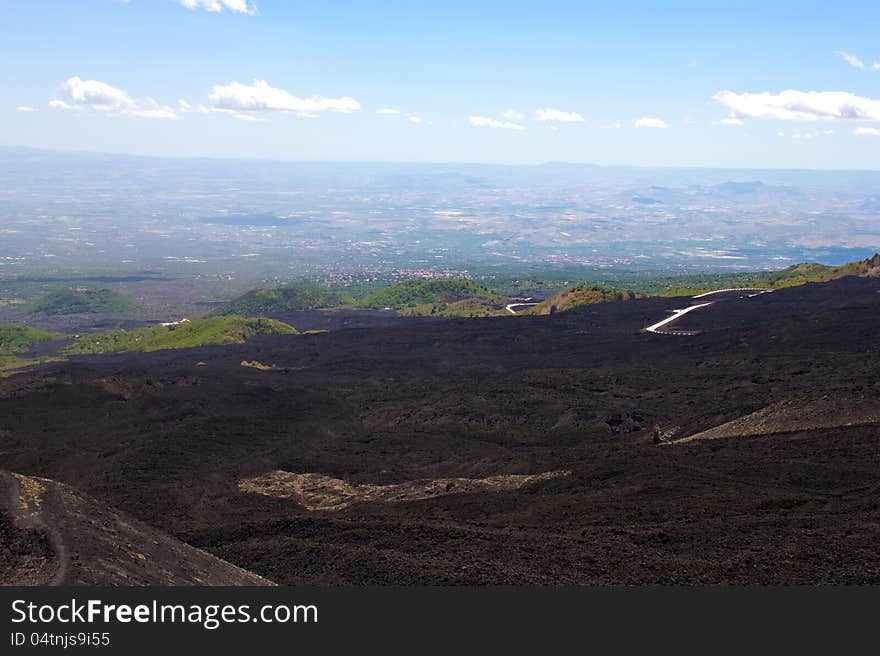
column 428, row 162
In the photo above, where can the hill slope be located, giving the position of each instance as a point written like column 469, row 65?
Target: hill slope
column 799, row 414
column 451, row 297
column 572, row 297
column 201, row 332
column 288, row 298
column 57, row 536
column 15, row 341
column 169, row 442
column 83, row 301
column 18, row 339
column 805, row 272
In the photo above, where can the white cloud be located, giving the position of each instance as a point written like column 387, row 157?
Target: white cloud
column 514, row 115
column 183, row 106
column 867, row 132
column 828, row 132
column 25, row 108
column 482, row 122
column 780, row 134
column 247, row 117
column 415, row 119
column 648, row 122
column 731, row 120
column 259, row 96
column 95, row 94
column 803, row 135
column 548, row 114
column 852, row 60
column 793, row 105
column 216, row 6
column 149, row 108
column 388, row 110
column 876, row 65
column 77, row 93
column 158, row 112
column 307, row 115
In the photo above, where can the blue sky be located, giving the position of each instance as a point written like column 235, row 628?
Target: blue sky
column 738, row 84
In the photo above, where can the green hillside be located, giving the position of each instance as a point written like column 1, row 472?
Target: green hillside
column 413, row 293
column 797, row 274
column 288, row 298
column 83, row 301
column 18, row 339
column 800, row 274
column 572, row 297
column 465, row 308
column 200, row 332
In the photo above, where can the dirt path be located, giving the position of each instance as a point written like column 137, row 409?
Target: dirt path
column 26, row 512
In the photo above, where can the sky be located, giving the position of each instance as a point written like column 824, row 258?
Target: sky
column 733, row 84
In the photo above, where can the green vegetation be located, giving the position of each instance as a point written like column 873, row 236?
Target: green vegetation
column 15, row 340
column 18, row 339
column 83, row 301
column 573, row 297
column 800, row 274
column 413, row 293
column 467, row 308
column 10, row 364
column 452, row 297
column 201, row 332
column 289, row 298
column 691, row 284
column 441, row 298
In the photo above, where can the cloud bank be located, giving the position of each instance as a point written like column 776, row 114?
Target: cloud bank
column 216, row 6
column 76, row 93
column 793, row 105
column 260, row 97
column 483, row 122
column 549, row 114
column 648, row 122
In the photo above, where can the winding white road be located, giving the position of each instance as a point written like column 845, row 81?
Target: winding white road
column 509, row 307
column 760, row 290
column 676, row 314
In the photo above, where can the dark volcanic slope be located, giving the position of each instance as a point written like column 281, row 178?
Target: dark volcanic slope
column 170, row 436
column 52, row 535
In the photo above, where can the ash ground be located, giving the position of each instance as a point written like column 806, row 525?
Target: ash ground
column 168, row 437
